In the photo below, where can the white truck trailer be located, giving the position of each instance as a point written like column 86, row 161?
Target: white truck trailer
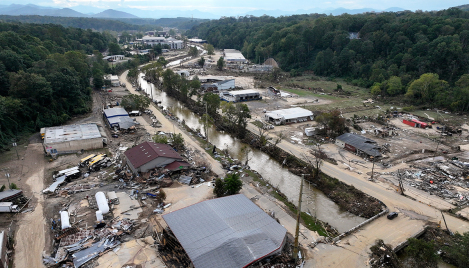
column 8, row 207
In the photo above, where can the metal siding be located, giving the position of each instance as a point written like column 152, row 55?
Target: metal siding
column 158, row 162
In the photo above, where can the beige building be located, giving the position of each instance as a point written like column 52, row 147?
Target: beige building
column 73, row 138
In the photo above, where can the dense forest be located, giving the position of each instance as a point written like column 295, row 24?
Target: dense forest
column 118, row 24
column 45, row 75
column 83, row 23
column 422, row 56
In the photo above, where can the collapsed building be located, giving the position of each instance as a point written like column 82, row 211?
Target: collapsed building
column 73, row 138
column 228, row 232
column 358, row 144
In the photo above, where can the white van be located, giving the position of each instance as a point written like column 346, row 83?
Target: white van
column 135, row 113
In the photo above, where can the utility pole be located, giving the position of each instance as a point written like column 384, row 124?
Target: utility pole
column 298, row 215
column 436, row 150
column 8, row 178
column 401, row 185
column 16, row 148
column 449, row 232
column 206, row 126
column 372, row 168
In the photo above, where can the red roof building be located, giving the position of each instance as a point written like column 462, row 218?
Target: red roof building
column 149, row 155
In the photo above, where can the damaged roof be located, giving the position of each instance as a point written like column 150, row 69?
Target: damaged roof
column 148, row 151
column 229, row 232
column 366, row 145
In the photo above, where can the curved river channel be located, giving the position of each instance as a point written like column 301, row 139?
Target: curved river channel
column 314, row 201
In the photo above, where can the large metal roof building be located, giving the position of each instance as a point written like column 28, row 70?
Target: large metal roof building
column 289, row 116
column 233, row 55
column 71, row 138
column 229, row 232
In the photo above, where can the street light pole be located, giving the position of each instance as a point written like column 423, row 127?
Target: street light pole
column 373, row 168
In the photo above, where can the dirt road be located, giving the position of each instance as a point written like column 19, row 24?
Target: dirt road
column 170, row 126
column 354, row 248
column 30, row 236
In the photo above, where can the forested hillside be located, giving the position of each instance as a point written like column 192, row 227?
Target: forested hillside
column 83, row 23
column 44, row 75
column 423, row 55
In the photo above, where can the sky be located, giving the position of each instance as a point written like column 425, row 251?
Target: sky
column 245, row 5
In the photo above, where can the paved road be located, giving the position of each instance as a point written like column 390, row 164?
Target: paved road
column 170, row 126
column 353, row 250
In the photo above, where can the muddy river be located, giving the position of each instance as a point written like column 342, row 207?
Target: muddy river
column 314, row 201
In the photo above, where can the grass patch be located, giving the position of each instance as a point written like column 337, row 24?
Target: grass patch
column 309, row 221
column 258, row 123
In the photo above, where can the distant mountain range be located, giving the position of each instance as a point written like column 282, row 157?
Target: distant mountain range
column 88, row 11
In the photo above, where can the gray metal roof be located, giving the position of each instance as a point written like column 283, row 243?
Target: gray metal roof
column 71, row 132
column 112, row 112
column 361, row 143
column 229, row 232
column 7, row 194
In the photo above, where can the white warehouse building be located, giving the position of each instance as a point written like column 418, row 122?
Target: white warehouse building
column 234, row 56
column 73, row 138
column 288, row 116
column 240, row 95
column 171, row 42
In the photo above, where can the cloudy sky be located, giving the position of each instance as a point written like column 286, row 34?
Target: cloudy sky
column 246, row 5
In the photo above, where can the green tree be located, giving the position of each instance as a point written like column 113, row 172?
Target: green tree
column 459, row 249
column 426, row 88
column 193, row 51
column 135, row 102
column 394, row 86
column 160, row 139
column 114, row 49
column 162, row 61
column 220, row 63
column 201, row 62
column 376, row 89
column 210, row 49
column 233, row 184
column 423, row 253
column 177, row 141
column 219, row 188
column 213, row 103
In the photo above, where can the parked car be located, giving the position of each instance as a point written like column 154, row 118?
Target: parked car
column 115, row 136
column 392, row 215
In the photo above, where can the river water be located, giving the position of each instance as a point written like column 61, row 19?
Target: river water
column 314, row 201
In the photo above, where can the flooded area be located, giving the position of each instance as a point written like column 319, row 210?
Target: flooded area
column 314, row 201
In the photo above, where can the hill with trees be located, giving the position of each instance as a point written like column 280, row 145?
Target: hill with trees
column 45, row 75
column 422, row 56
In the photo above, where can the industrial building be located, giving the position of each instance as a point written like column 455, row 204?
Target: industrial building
column 171, row 42
column 150, row 155
column 114, row 80
column 229, row 232
column 73, row 138
column 219, row 85
column 118, row 118
column 288, row 116
column 358, row 144
column 240, row 95
column 233, row 56
column 197, row 40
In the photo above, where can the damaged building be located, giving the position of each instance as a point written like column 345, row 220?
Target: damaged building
column 150, row 155
column 118, row 118
column 358, row 144
column 240, row 95
column 228, row 232
column 288, row 116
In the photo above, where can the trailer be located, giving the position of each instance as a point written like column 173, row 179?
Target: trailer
column 99, row 162
column 8, row 207
column 86, row 160
column 71, row 173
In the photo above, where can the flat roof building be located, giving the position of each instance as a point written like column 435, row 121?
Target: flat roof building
column 358, row 144
column 171, row 42
column 118, row 117
column 72, row 138
column 240, row 95
column 228, row 232
column 233, row 55
column 289, row 116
